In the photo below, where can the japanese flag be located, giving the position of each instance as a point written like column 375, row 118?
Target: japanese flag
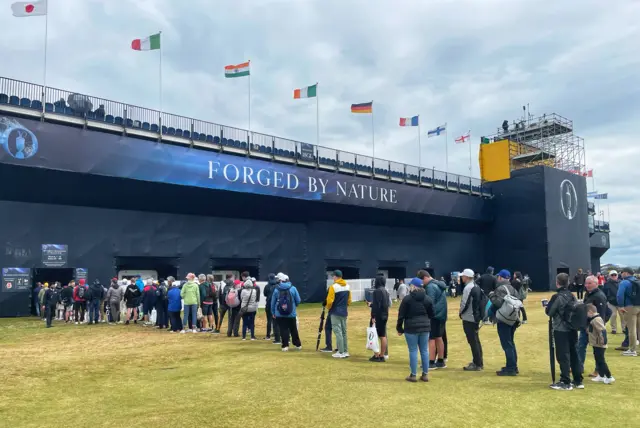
column 23, row 9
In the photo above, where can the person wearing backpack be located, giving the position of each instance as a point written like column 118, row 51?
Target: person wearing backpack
column 222, row 300
column 338, row 301
column 284, row 302
column 472, row 313
column 272, row 283
column 162, row 305
column 190, row 293
column 629, row 304
column 436, row 290
column 380, row 315
column 207, row 297
column 565, row 335
column 506, row 305
column 51, row 299
column 234, row 302
column 80, row 294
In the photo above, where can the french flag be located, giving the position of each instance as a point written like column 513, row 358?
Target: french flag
column 409, row 121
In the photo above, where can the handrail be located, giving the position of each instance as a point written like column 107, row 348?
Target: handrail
column 91, row 108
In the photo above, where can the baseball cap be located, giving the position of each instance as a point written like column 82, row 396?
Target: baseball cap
column 468, row 273
column 282, row 277
column 504, row 274
column 417, row 282
column 613, row 272
column 337, row 273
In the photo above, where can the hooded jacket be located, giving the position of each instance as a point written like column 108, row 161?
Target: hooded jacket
column 625, row 291
column 596, row 329
column 248, row 298
column 132, row 295
column 204, row 289
column 488, row 283
column 437, row 291
column 114, row 294
column 415, row 313
column 96, row 291
column 149, row 295
column 610, row 290
column 556, row 309
column 67, row 294
column 175, row 300
column 380, row 300
column 339, row 298
column 272, row 283
column 597, row 298
column 276, row 295
column 190, row 293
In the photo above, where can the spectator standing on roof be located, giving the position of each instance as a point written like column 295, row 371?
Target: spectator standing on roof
column 338, row 301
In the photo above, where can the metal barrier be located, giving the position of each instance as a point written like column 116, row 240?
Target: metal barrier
column 90, row 108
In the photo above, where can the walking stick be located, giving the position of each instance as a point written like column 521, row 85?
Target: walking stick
column 320, row 328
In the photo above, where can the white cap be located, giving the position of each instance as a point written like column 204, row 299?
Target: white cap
column 468, row 273
column 282, row 277
column 613, row 272
column 253, row 279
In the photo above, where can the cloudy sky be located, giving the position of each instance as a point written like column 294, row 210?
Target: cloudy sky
column 470, row 63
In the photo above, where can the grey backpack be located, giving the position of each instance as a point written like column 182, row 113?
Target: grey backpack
column 509, row 312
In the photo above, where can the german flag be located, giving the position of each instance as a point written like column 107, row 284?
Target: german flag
column 362, row 108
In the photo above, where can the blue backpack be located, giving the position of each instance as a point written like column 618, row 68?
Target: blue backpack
column 285, row 302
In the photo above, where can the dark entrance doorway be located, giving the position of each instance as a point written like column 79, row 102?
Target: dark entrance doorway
column 158, row 267
column 51, row 275
column 395, row 272
column 235, row 266
column 562, row 270
column 350, row 268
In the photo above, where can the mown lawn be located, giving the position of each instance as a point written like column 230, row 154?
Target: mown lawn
column 117, row 376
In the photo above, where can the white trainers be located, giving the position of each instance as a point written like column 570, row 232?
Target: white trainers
column 299, row 348
column 598, row 379
column 76, row 322
column 346, row 355
column 609, row 380
column 194, row 331
column 338, row 355
column 285, row 349
column 182, row 332
column 629, row 353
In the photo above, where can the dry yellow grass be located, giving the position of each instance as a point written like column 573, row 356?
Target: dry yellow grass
column 129, row 376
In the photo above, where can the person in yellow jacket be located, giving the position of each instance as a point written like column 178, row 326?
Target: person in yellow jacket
column 338, row 300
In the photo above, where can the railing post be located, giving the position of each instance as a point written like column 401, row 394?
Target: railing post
column 337, row 159
column 191, row 133
column 125, row 117
column 273, row 147
column 159, row 126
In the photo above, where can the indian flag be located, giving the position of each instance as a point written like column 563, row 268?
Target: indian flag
column 239, row 70
column 308, row 92
column 147, row 44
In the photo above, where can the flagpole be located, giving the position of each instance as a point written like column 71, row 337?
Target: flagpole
column 373, row 138
column 470, row 172
column 446, row 148
column 419, row 150
column 249, row 95
column 317, row 117
column 160, row 73
column 44, row 79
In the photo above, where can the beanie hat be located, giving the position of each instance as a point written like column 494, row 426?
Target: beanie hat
column 504, row 274
column 337, row 273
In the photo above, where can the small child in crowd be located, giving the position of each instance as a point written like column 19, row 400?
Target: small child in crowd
column 598, row 340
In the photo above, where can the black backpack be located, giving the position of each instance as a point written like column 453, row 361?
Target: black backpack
column 575, row 314
column 212, row 291
column 635, row 291
column 285, row 302
column 484, row 300
column 81, row 292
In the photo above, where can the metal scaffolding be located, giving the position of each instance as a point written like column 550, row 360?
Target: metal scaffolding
column 543, row 140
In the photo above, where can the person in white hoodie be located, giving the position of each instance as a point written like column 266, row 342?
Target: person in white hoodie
column 248, row 308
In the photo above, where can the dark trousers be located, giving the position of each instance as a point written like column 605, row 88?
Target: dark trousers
column 567, row 356
column 214, row 308
column 507, row 334
column 288, row 327
column 471, row 330
column 248, row 323
column 176, row 321
column 114, row 311
column 524, row 313
column 327, row 332
column 583, row 342
column 271, row 323
column 50, row 311
column 446, row 343
column 601, row 364
column 234, row 322
column 223, row 310
column 162, row 313
column 78, row 309
column 580, row 291
column 94, row 310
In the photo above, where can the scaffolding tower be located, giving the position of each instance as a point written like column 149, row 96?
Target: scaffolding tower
column 543, row 140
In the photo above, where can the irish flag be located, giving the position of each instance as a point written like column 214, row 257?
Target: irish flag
column 147, row 44
column 239, row 70
column 308, row 92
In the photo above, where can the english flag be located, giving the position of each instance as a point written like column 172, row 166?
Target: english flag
column 588, row 173
column 23, row 9
column 463, row 138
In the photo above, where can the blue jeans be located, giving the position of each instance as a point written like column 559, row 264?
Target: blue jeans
column 191, row 316
column 506, row 334
column 94, row 310
column 415, row 342
column 583, row 342
column 248, row 323
column 36, row 303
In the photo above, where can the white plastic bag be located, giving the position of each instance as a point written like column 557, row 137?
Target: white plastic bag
column 154, row 316
column 372, row 339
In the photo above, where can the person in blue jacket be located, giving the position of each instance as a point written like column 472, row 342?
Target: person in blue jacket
column 629, row 303
column 284, row 301
column 174, row 306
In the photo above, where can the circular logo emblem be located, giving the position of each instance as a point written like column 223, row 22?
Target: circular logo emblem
column 604, row 240
column 568, row 199
column 9, row 285
column 18, row 141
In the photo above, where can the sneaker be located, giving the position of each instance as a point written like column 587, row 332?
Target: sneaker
column 609, row 380
column 76, row 322
column 285, row 349
column 619, row 348
column 194, row 331
column 277, row 343
column 524, row 322
column 126, row 323
column 433, row 366
column 172, row 331
column 182, row 332
column 244, row 339
column 375, row 359
column 506, row 373
column 215, row 331
column 424, row 377
column 346, row 355
column 561, row 386
column 629, row 353
column 598, row 379
column 299, row 348
column 411, row 378
column 578, row 385
column 338, row 355
column 386, row 358
column 326, row 350
column 253, row 338
column 440, row 365
column 472, row 368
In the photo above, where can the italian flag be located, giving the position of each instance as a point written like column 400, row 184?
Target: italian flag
column 147, row 44
column 308, row 92
column 239, row 70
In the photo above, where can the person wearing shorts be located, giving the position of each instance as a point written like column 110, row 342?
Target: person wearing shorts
column 437, row 290
column 379, row 316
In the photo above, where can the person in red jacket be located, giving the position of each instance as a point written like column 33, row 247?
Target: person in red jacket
column 80, row 301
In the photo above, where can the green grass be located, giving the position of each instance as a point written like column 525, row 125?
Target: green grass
column 117, row 376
